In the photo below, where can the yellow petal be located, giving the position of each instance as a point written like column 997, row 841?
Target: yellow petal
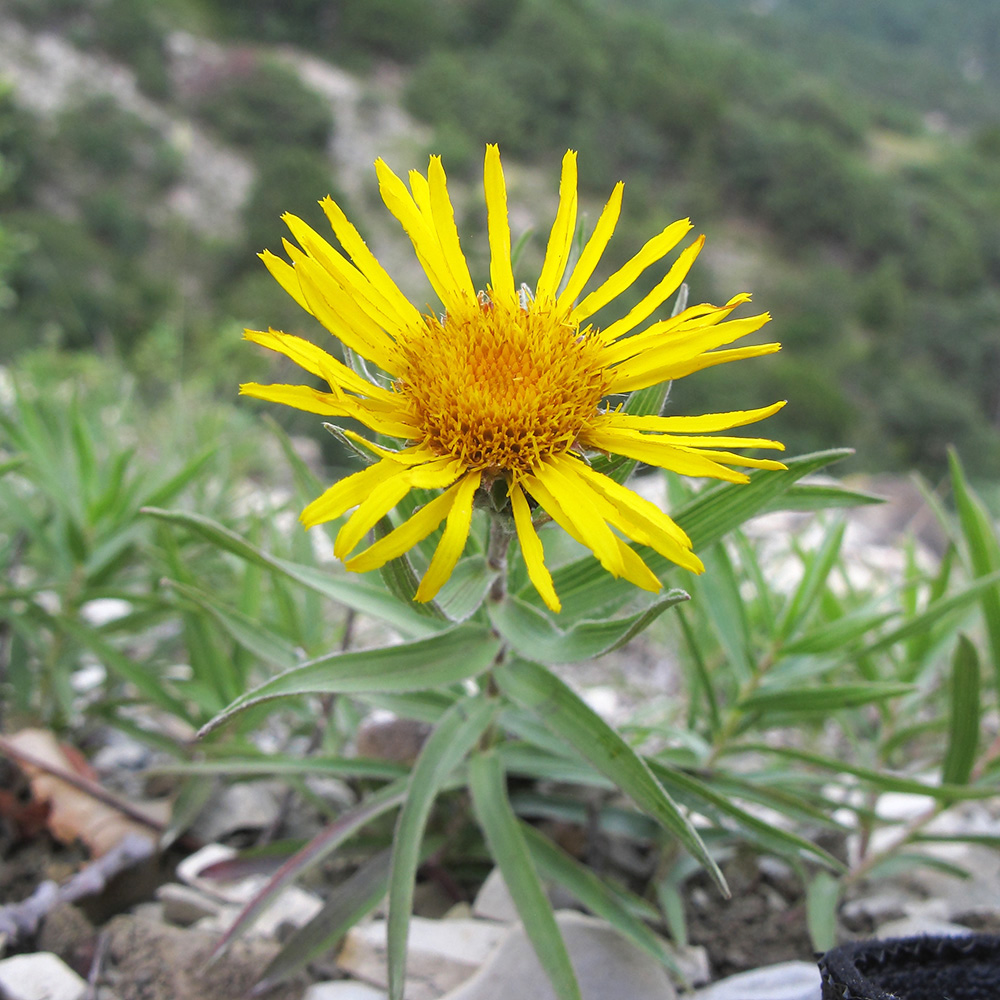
column 658, row 364
column 408, row 534
column 646, row 448
column 444, row 225
column 396, row 303
column 671, row 331
column 531, row 549
column 452, row 544
column 704, row 423
column 666, row 287
column 561, row 236
column 594, row 249
column 625, row 276
column 569, row 503
column 642, row 520
column 501, row 275
column 713, row 358
column 416, row 455
column 401, row 203
column 316, row 361
column 348, row 492
column 378, row 502
column 284, row 274
column 301, row 397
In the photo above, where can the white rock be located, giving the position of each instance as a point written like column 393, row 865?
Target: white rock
column 247, row 805
column 916, row 926
column 607, row 967
column 343, row 989
column 39, row 976
column 183, row 905
column 784, row 981
column 493, row 901
column 238, row 891
column 441, row 953
column 293, row 907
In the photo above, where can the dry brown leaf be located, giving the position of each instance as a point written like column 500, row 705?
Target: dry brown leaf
column 74, row 812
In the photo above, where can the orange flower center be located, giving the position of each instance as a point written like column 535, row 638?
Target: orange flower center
column 502, row 390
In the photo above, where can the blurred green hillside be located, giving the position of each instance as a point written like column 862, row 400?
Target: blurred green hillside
column 842, row 156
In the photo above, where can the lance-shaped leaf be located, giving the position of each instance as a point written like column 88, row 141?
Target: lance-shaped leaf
column 827, row 698
column 532, row 634
column 242, row 629
column 326, row 841
column 984, row 552
column 446, row 658
column 881, row 780
column 700, row 795
column 487, row 782
column 351, row 593
column 569, row 717
column 453, row 737
column 963, row 715
column 555, row 864
column 352, row 900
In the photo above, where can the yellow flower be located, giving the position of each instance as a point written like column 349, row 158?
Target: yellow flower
column 508, row 384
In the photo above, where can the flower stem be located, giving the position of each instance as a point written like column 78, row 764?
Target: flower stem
column 496, row 555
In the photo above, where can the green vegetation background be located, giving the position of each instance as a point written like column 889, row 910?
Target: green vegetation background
column 846, row 154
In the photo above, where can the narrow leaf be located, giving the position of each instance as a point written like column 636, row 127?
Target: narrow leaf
column 554, row 863
column 826, row 698
column 822, row 897
column 349, row 902
column 453, row 737
column 984, row 552
column 532, row 634
column 502, row 830
column 447, row 658
column 323, row 844
column 964, row 715
column 353, row 593
column 569, row 717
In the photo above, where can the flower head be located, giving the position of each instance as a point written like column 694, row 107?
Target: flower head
column 507, row 384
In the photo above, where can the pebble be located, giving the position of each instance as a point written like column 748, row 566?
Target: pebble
column 246, row 805
column 39, row 976
column 493, row 901
column 184, row 905
column 343, row 989
column 919, row 925
column 441, row 953
column 606, row 965
column 784, row 981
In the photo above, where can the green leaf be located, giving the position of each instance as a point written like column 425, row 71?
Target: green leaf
column 555, row 864
column 822, row 897
column 826, row 698
column 817, row 570
column 569, row 717
column 466, row 588
column 506, row 843
column 984, row 552
column 349, row 902
column 929, row 616
column 837, row 633
column 884, row 781
column 964, row 715
column 806, row 497
column 273, row 764
column 323, row 844
column 248, row 633
column 453, row 737
column 189, row 801
column 718, row 596
column 714, row 512
column 700, row 793
column 150, row 684
column 462, row 652
column 532, row 634
column 353, row 593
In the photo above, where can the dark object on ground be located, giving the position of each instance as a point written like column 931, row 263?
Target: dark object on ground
column 918, row 968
